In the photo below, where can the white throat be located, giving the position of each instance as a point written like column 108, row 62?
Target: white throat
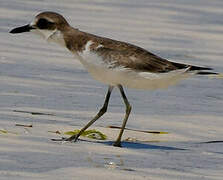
column 51, row 36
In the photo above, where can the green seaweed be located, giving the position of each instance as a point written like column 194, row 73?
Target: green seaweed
column 92, row 134
column 7, row 132
column 3, row 131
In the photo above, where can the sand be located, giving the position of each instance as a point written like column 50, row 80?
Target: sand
column 42, row 85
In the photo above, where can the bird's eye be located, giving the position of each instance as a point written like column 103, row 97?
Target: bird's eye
column 44, row 24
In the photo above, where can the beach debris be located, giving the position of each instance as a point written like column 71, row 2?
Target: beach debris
column 92, row 134
column 143, row 131
column 23, row 125
column 56, row 132
column 130, row 139
column 211, row 142
column 111, row 165
column 2, row 131
column 27, row 131
column 34, row 113
column 133, row 139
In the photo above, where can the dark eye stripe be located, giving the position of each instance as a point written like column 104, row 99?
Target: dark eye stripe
column 44, row 24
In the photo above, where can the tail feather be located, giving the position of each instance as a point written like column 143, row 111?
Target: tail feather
column 203, row 70
column 207, row 73
column 191, row 67
column 198, row 70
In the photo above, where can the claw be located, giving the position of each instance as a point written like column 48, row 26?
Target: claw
column 117, row 144
column 73, row 138
column 70, row 139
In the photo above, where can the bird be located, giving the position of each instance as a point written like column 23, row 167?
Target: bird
column 117, row 64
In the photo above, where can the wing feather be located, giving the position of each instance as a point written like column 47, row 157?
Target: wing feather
column 122, row 54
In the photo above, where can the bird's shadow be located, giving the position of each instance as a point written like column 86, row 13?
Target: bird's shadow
column 140, row 145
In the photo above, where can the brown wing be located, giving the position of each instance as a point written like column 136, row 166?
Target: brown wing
column 123, row 54
column 133, row 57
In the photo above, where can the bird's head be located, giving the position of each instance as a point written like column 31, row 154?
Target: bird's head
column 49, row 25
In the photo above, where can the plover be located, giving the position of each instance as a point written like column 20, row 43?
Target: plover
column 112, row 62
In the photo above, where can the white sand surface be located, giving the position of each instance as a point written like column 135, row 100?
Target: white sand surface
column 37, row 77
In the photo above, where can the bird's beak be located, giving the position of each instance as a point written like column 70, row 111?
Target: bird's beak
column 22, row 29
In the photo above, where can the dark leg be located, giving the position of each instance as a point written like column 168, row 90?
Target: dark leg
column 100, row 113
column 128, row 110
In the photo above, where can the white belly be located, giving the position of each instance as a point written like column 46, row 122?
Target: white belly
column 128, row 77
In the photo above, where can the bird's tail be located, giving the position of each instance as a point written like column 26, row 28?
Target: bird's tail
column 204, row 71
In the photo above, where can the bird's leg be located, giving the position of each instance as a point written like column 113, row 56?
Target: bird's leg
column 128, row 110
column 99, row 114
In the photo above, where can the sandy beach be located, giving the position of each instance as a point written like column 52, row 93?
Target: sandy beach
column 43, row 85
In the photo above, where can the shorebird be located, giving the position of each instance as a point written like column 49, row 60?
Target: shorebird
column 112, row 62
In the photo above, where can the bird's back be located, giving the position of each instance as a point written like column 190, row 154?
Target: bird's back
column 127, row 55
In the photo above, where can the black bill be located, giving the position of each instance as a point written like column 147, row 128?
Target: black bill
column 22, row 29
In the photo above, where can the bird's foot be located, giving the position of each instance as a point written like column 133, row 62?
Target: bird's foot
column 117, row 144
column 73, row 138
